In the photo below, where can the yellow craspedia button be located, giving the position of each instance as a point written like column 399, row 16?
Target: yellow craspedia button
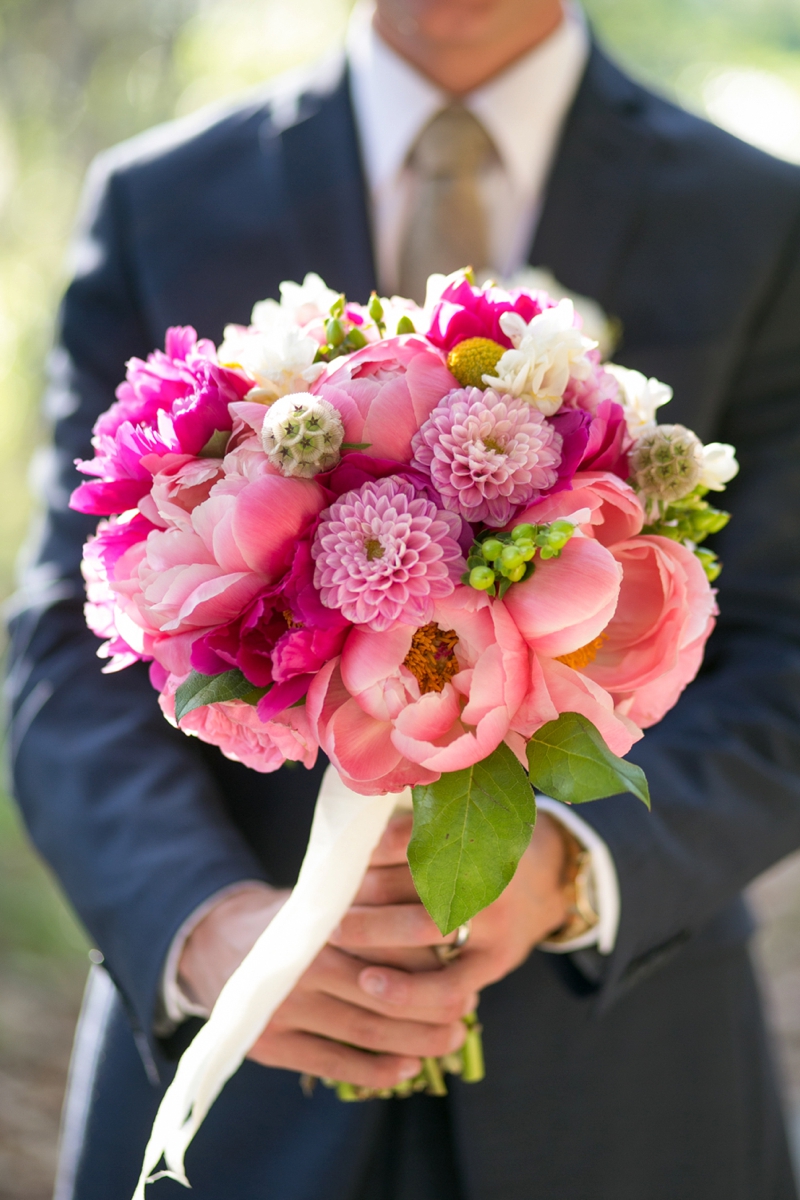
column 473, row 358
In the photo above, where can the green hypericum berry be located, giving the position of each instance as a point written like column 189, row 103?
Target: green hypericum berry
column 527, row 550
column 481, row 578
column 524, row 533
column 510, row 558
column 516, row 573
column 491, row 549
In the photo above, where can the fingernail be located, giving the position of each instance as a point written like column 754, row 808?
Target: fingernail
column 373, row 982
column 409, row 1068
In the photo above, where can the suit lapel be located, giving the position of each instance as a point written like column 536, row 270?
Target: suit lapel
column 326, row 193
column 595, row 185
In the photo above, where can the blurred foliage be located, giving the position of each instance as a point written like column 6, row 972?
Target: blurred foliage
column 79, row 75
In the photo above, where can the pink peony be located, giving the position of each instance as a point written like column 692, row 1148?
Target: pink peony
column 384, row 554
column 186, row 579
column 384, row 393
column 464, row 311
column 487, row 454
column 400, row 707
column 654, row 643
column 241, row 734
column 614, row 510
column 104, row 561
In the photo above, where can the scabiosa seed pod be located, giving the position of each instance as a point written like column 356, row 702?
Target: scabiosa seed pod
column 302, row 435
column 666, row 462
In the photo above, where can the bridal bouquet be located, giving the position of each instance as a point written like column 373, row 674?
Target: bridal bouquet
column 448, row 546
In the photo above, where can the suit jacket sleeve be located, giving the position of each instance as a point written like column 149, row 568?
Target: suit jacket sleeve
column 724, row 765
column 121, row 805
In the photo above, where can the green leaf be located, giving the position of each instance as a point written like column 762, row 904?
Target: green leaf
column 569, row 761
column 199, row 690
column 470, row 830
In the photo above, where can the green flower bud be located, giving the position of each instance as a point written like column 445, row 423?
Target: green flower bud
column 356, row 338
column 405, row 325
column 376, row 309
column 334, row 332
column 491, row 549
column 481, row 578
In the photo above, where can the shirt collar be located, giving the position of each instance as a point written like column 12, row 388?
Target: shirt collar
column 393, row 101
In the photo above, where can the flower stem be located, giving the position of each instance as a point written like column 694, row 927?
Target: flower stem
column 434, row 1077
column 472, row 1051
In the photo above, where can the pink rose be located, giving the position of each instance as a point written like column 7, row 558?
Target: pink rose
column 609, row 441
column 400, row 707
column 616, row 513
column 654, row 643
column 384, row 393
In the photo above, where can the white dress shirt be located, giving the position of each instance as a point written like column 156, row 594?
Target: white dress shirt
column 523, row 109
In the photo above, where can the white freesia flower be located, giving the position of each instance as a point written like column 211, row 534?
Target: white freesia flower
column 594, row 321
column 547, row 352
column 639, row 396
column 719, row 466
column 278, row 356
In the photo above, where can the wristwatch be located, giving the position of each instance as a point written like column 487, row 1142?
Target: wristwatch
column 578, row 883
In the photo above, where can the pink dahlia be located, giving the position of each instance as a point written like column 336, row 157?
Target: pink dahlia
column 487, row 454
column 384, row 554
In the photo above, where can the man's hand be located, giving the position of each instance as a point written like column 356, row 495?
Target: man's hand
column 371, row 1025
column 389, row 916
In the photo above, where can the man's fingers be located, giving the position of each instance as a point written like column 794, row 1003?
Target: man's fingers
column 452, row 990
column 338, row 974
column 387, row 925
column 393, row 845
column 329, row 1017
column 303, row 1052
column 388, row 885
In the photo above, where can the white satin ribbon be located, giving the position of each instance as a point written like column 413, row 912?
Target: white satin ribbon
column 346, row 829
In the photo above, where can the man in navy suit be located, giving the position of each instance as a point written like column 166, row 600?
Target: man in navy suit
column 635, row 1066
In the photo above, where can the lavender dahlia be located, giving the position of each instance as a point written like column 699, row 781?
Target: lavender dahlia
column 384, row 554
column 487, row 454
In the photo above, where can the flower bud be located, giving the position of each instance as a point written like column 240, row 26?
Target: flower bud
column 334, row 332
column 405, row 325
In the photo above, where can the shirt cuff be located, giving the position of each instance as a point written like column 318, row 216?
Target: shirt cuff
column 602, row 881
column 175, row 1005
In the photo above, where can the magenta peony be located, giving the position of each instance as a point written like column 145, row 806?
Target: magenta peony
column 487, row 454
column 384, row 554
column 465, row 311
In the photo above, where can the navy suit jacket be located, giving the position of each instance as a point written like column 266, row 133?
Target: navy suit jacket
column 692, row 240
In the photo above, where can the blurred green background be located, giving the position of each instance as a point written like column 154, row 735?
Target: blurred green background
column 79, row 75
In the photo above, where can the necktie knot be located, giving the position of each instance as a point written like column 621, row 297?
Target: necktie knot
column 452, row 144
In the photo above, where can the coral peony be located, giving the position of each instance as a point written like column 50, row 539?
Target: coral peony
column 616, row 511
column 568, row 600
column 654, row 643
column 384, row 554
column 487, row 454
column 403, row 706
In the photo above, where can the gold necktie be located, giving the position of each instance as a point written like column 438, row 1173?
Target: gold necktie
column 446, row 226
